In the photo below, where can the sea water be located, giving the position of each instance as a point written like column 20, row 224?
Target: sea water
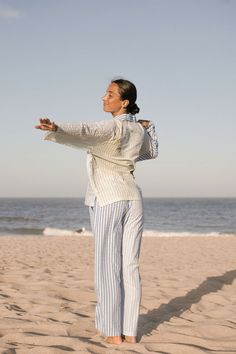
column 163, row 216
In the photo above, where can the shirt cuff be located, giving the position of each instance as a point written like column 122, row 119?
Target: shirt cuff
column 151, row 127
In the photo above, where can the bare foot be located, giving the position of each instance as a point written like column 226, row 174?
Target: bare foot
column 114, row 340
column 130, row 339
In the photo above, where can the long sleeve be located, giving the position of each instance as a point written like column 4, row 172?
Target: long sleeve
column 83, row 135
column 149, row 148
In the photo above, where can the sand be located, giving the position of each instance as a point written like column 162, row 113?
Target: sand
column 47, row 298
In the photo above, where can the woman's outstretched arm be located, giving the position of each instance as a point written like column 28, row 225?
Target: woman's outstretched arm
column 78, row 135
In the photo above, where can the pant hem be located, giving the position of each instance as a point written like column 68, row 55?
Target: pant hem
column 129, row 334
column 106, row 334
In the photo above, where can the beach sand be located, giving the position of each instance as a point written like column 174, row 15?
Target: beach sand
column 47, row 298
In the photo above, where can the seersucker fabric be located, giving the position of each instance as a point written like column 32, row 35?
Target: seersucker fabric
column 113, row 147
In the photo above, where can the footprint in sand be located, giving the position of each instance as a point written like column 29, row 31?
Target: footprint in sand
column 14, row 308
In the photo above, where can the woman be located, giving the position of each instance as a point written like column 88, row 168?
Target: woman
column 115, row 203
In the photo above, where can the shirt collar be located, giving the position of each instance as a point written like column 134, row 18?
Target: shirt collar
column 126, row 116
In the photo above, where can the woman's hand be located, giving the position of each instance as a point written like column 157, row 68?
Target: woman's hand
column 46, row 124
column 144, row 123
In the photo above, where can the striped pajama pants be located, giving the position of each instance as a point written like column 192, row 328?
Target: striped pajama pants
column 117, row 229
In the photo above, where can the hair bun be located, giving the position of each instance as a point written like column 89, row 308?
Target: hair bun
column 134, row 109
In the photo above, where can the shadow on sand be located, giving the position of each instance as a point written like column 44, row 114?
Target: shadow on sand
column 175, row 307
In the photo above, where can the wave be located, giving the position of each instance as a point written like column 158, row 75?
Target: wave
column 156, row 233
column 147, row 233
column 50, row 231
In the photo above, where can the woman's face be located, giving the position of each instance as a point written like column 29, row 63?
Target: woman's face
column 112, row 101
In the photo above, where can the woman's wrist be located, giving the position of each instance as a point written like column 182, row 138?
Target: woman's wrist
column 54, row 127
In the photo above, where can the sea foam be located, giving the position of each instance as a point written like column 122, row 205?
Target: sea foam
column 49, row 231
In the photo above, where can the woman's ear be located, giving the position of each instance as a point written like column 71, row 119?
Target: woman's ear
column 125, row 103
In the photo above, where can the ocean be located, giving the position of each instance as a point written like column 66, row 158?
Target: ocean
column 163, row 216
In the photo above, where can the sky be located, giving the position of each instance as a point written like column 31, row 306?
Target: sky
column 57, row 58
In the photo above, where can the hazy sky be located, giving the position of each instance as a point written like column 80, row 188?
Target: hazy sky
column 57, row 58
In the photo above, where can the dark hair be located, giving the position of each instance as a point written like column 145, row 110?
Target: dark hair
column 128, row 92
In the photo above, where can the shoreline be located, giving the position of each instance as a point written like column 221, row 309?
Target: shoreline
column 54, row 232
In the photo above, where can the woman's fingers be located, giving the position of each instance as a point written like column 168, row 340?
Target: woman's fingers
column 46, row 124
column 44, row 121
column 43, row 127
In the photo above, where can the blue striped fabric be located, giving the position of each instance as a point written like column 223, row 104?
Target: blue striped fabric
column 117, row 229
column 149, row 149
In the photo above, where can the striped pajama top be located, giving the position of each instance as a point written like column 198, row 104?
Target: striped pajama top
column 113, row 147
